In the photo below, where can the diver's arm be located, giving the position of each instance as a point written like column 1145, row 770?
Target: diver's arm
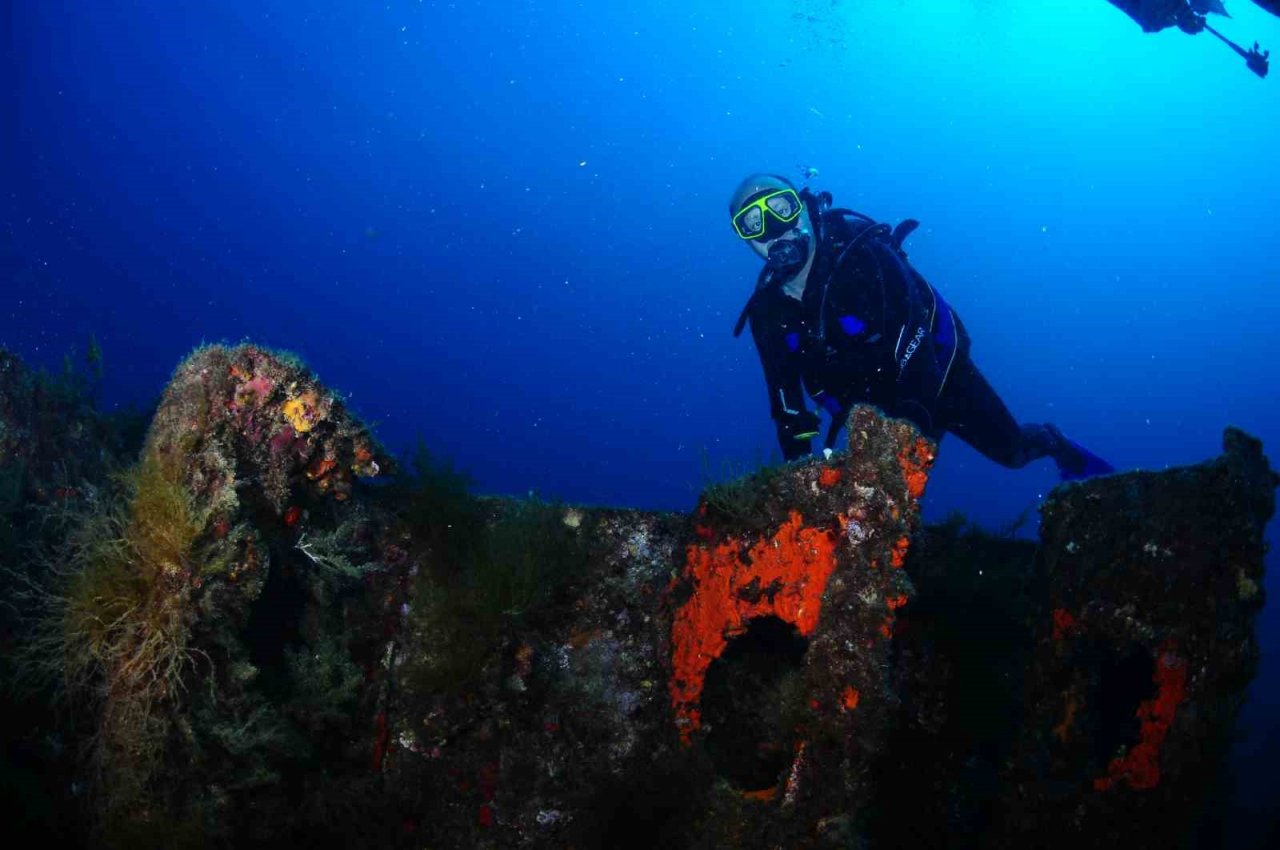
column 796, row 425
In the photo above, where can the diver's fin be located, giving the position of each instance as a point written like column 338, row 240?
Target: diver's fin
column 1074, row 460
column 1092, row 465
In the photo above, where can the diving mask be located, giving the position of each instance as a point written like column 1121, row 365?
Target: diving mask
column 768, row 214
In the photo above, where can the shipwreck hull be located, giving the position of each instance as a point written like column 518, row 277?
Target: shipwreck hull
column 796, row 663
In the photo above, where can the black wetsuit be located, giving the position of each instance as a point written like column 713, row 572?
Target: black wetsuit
column 870, row 329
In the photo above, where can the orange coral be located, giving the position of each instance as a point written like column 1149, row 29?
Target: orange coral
column 900, row 547
column 364, row 465
column 1063, row 623
column 1140, row 767
column 320, row 467
column 850, row 698
column 1063, row 730
column 893, row 603
column 829, row 477
column 916, row 459
column 782, row 576
column 763, row 796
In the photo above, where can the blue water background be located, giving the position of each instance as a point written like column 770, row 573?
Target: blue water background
column 502, row 226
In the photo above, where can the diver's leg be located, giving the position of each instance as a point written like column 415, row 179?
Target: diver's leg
column 974, row 412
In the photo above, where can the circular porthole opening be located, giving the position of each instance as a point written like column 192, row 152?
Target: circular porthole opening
column 751, row 700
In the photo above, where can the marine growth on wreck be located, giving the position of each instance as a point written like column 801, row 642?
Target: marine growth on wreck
column 257, row 627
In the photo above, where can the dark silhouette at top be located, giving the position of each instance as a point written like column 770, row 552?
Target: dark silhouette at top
column 1190, row 17
column 1156, row 15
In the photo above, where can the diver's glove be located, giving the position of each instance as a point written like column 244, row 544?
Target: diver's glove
column 1074, row 460
column 795, row 430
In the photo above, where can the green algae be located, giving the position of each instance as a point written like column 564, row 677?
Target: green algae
column 488, row 564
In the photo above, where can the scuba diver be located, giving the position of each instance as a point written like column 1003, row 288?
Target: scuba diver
column 1190, row 17
column 838, row 311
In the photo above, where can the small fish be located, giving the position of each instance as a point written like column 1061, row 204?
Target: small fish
column 808, row 172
